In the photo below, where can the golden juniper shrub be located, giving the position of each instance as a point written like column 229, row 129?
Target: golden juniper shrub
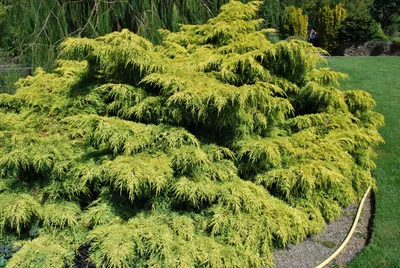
column 210, row 149
column 42, row 252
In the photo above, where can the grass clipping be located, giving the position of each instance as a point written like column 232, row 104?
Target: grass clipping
column 209, row 149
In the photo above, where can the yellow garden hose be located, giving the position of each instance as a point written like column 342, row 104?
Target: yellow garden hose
column 328, row 260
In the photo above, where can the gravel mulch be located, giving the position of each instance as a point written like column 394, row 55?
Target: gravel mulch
column 318, row 248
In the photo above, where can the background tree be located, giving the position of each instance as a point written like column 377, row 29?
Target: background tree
column 294, row 23
column 329, row 22
column 5, row 26
column 387, row 12
column 271, row 11
column 354, row 7
column 209, row 149
column 312, row 7
column 360, row 27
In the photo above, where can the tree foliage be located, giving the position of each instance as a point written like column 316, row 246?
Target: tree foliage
column 329, row 22
column 271, row 11
column 295, row 23
column 387, row 12
column 360, row 27
column 209, row 149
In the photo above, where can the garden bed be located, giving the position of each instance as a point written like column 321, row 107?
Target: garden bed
column 370, row 48
column 317, row 248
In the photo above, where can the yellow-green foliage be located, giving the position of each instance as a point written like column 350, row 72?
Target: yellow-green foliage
column 209, row 149
column 18, row 211
column 60, row 214
column 294, row 22
column 41, row 252
column 329, row 21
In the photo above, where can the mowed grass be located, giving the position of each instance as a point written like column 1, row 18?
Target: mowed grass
column 381, row 77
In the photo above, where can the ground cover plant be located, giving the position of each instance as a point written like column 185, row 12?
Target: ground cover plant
column 209, row 149
column 379, row 76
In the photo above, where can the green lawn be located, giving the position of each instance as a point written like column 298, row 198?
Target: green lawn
column 381, row 77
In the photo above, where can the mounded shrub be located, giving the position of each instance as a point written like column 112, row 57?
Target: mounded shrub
column 360, row 27
column 210, row 149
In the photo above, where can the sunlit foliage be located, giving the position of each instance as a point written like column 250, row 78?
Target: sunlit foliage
column 209, row 149
column 330, row 19
column 294, row 23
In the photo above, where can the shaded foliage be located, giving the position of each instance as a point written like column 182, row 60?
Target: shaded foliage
column 388, row 14
column 360, row 27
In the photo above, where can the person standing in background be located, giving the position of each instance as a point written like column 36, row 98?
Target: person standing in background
column 312, row 37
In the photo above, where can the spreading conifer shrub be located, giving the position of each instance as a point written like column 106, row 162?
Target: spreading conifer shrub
column 210, row 149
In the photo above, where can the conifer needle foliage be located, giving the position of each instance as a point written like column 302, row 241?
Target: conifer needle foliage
column 209, row 149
